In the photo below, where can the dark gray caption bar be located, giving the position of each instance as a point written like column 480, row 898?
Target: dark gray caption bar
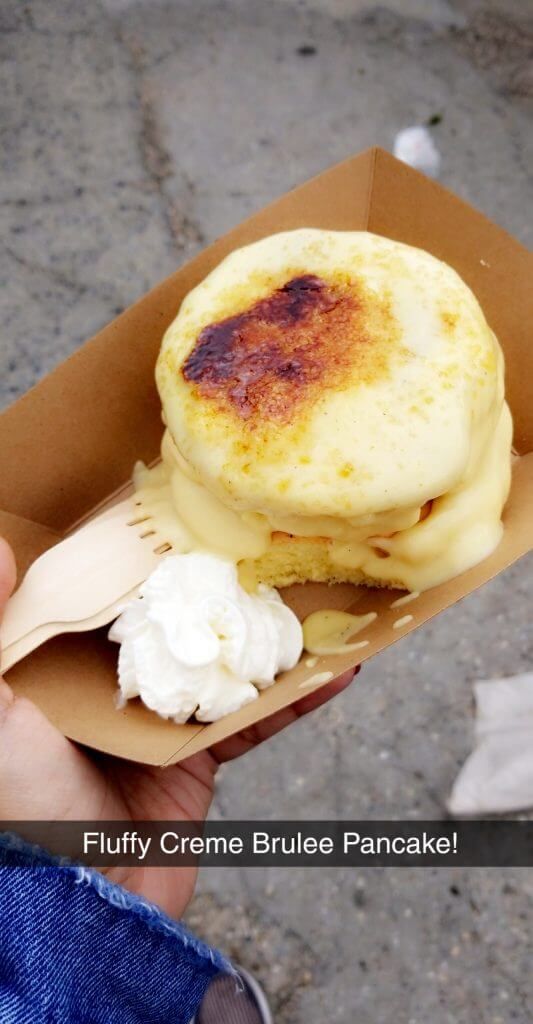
column 282, row 843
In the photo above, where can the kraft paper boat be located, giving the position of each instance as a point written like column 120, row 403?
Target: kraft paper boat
column 67, row 448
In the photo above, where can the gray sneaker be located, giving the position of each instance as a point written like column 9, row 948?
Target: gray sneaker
column 228, row 1002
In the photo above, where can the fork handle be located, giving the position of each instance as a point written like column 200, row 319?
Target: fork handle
column 43, row 597
column 19, row 649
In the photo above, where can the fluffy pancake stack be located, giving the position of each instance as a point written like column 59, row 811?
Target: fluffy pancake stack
column 335, row 411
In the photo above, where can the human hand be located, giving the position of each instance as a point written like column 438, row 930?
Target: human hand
column 46, row 777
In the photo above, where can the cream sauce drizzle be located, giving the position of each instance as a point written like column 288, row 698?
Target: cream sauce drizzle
column 320, row 677
column 406, row 599
column 190, row 518
column 402, row 622
column 396, row 547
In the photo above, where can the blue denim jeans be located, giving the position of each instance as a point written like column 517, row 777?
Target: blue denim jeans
column 76, row 949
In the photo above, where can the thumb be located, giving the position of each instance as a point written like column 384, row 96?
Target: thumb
column 8, row 574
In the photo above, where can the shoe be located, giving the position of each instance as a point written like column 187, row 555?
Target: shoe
column 231, row 1000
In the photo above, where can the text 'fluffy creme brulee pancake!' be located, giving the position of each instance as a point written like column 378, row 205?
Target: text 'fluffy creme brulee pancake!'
column 335, row 411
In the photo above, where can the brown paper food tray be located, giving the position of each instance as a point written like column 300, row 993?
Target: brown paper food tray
column 69, row 445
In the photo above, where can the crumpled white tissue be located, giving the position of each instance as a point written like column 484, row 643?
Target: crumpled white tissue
column 415, row 146
column 498, row 775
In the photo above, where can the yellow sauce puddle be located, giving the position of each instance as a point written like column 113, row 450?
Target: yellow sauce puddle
column 326, row 632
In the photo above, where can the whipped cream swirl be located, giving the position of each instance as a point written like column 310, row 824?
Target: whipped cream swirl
column 195, row 642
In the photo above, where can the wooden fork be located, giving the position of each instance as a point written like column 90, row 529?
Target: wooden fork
column 80, row 583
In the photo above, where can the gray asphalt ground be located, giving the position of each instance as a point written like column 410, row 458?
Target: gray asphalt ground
column 134, row 133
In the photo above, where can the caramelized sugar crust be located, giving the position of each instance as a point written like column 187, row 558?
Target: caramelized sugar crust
column 277, row 357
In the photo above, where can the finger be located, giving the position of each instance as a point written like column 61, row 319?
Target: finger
column 323, row 694
column 8, row 574
column 234, row 746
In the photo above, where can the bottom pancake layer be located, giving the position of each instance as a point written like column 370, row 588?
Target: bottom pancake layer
column 303, row 559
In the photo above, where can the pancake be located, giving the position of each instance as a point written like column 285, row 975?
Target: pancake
column 335, row 411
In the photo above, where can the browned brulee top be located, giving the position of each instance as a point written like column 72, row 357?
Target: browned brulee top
column 286, row 349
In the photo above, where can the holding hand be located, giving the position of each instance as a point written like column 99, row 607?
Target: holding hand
column 46, row 777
